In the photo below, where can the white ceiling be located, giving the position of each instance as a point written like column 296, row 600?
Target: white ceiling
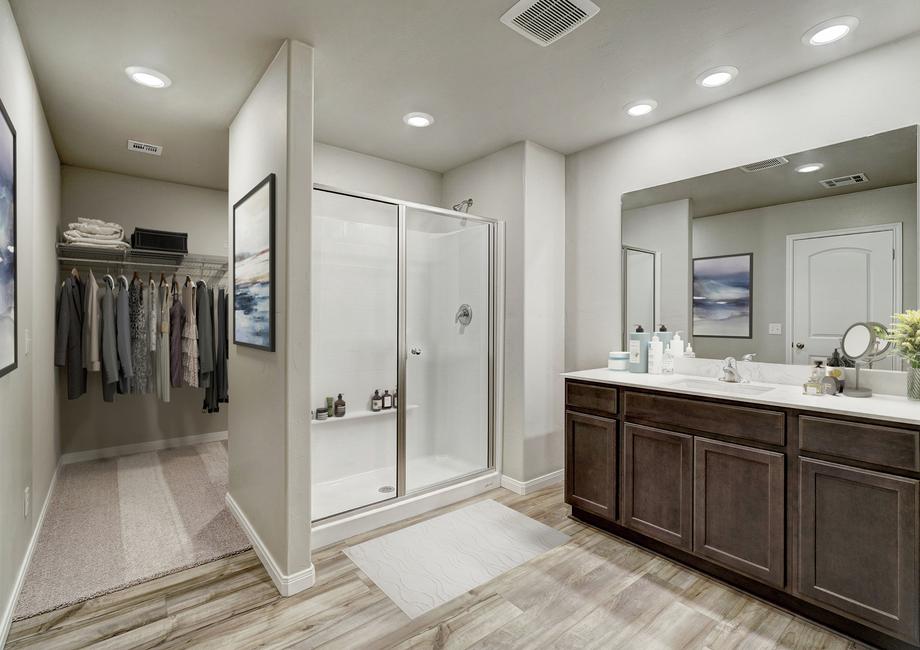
column 378, row 59
column 887, row 159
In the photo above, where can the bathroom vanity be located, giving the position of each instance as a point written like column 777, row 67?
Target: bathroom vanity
column 811, row 503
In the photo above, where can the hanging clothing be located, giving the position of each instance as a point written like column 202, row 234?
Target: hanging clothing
column 151, row 312
column 140, row 352
column 68, row 341
column 222, row 358
column 190, row 338
column 176, row 325
column 108, row 346
column 123, row 340
column 162, row 352
column 204, row 310
column 92, row 325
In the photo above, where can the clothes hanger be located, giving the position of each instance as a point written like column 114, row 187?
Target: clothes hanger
column 109, row 280
column 75, row 272
column 124, row 281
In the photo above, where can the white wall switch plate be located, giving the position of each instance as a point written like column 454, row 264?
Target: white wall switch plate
column 776, row 328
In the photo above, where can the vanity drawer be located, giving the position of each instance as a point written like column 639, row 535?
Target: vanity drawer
column 898, row 448
column 738, row 422
column 591, row 397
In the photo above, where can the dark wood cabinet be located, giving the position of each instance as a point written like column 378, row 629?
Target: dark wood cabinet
column 590, row 461
column 859, row 544
column 738, row 505
column 658, row 483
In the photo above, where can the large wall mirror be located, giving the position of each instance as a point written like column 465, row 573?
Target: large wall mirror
column 779, row 257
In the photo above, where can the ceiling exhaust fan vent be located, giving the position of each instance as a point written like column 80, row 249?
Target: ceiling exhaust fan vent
column 546, row 21
column 762, row 165
column 144, row 147
column 840, row 181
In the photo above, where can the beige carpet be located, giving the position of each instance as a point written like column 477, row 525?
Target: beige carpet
column 118, row 522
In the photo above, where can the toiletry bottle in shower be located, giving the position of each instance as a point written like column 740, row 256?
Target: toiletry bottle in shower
column 395, row 399
column 638, row 350
column 376, row 401
column 340, row 407
column 655, row 356
column 387, row 400
column 330, row 405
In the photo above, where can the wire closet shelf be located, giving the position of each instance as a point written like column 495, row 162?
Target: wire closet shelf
column 212, row 268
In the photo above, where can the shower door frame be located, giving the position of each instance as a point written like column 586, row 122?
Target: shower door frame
column 496, row 285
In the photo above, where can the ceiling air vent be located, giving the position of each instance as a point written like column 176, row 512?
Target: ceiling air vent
column 760, row 166
column 143, row 147
column 840, row 181
column 546, row 21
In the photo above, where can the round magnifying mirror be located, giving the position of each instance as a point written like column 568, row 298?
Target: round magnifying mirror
column 858, row 340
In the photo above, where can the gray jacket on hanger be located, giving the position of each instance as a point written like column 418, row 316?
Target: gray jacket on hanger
column 68, row 341
column 108, row 348
column 205, row 336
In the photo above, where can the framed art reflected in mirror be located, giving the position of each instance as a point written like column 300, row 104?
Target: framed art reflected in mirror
column 722, row 296
column 8, row 294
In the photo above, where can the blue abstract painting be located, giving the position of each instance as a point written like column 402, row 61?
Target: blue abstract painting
column 7, row 244
column 722, row 288
column 253, row 267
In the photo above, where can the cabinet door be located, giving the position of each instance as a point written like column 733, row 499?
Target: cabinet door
column 590, row 463
column 738, row 509
column 858, row 544
column 658, row 483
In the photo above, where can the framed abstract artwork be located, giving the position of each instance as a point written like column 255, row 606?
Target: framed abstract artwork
column 9, row 354
column 722, row 296
column 254, row 267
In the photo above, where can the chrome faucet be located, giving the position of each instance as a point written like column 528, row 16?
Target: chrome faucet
column 749, row 356
column 730, row 372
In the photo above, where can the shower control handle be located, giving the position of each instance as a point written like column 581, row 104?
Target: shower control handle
column 416, row 351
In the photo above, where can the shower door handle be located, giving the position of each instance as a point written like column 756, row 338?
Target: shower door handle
column 416, row 351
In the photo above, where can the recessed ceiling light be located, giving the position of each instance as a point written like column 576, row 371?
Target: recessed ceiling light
column 807, row 168
column 830, row 31
column 419, row 120
column 641, row 107
column 716, row 77
column 147, row 76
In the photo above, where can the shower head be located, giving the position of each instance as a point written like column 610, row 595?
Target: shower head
column 464, row 206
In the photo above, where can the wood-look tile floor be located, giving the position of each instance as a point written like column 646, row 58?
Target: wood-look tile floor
column 593, row 592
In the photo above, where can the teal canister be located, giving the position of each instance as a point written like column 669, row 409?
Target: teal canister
column 638, row 350
column 664, row 336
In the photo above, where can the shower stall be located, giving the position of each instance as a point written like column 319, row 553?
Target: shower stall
column 405, row 303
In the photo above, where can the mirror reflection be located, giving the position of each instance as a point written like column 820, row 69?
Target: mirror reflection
column 778, row 257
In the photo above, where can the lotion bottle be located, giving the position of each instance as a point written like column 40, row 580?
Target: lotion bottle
column 655, row 356
column 638, row 350
column 677, row 345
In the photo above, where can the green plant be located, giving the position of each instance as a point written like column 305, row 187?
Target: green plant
column 904, row 334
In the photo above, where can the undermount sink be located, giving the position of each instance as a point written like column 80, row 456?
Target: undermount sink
column 717, row 386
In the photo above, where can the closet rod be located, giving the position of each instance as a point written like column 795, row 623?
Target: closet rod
column 176, row 265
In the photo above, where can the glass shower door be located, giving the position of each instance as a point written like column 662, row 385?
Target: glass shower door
column 354, row 350
column 447, row 346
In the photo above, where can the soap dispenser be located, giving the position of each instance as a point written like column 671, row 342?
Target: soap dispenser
column 664, row 336
column 677, row 345
column 638, row 350
column 655, row 356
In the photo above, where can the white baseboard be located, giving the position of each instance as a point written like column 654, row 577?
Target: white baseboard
column 330, row 532
column 7, row 619
column 287, row 585
column 142, row 447
column 534, row 484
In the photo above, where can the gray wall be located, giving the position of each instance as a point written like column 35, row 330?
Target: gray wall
column 269, row 427
column 28, row 419
column 665, row 228
column 763, row 232
column 810, row 110
column 88, row 422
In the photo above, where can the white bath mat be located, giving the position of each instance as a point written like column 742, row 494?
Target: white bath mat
column 425, row 565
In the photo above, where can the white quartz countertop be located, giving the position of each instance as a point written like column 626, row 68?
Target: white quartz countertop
column 889, row 408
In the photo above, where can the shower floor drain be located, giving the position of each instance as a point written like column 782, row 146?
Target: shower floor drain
column 386, row 489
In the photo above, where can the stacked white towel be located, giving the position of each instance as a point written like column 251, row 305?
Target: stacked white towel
column 96, row 233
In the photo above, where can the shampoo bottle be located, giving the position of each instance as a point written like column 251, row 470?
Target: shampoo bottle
column 655, row 356
column 638, row 350
column 677, row 345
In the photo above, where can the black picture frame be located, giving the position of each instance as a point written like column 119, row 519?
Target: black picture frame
column 8, row 122
column 750, row 315
column 268, row 343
